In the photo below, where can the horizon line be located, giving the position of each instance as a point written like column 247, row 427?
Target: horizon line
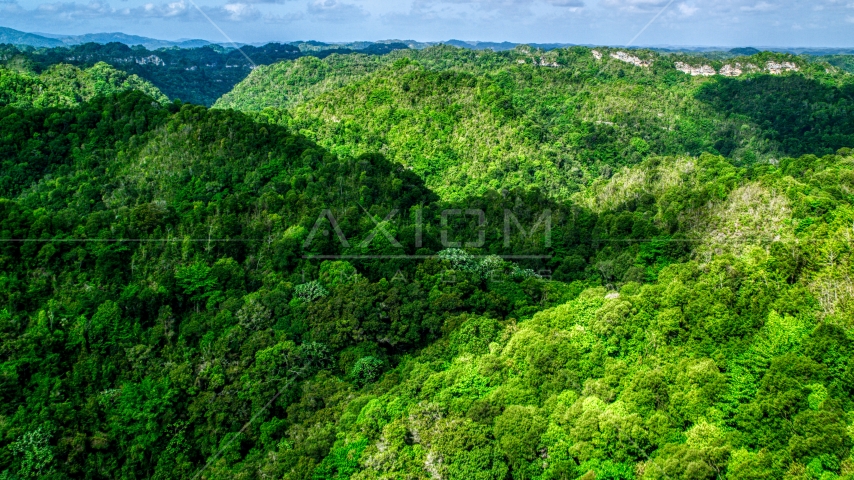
column 60, row 36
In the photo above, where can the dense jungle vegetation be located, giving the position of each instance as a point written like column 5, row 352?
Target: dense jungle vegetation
column 468, row 122
column 300, row 284
column 192, row 75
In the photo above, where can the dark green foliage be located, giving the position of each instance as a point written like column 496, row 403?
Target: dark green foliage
column 366, row 370
column 37, row 142
column 184, row 288
column 196, row 75
column 192, row 75
column 803, row 115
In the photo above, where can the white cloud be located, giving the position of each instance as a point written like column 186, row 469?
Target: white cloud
column 691, row 22
column 68, row 11
column 173, row 10
column 759, row 7
column 180, row 10
column 687, row 10
column 794, row 9
column 237, row 12
column 486, row 19
column 336, row 11
column 285, row 18
column 511, row 9
column 10, row 7
column 635, row 6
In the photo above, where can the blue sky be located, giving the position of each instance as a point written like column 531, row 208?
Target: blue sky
column 602, row 22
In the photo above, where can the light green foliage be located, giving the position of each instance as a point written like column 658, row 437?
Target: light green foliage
column 487, row 268
column 34, row 453
column 308, row 292
column 472, row 121
column 648, row 397
column 68, row 86
column 194, row 278
column 290, row 83
column 196, row 287
column 844, row 62
column 253, row 314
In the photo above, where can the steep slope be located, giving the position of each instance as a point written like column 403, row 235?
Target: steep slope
column 180, row 231
column 283, row 85
column 471, row 121
column 67, row 86
column 845, row 62
column 192, row 75
column 683, row 377
column 199, row 74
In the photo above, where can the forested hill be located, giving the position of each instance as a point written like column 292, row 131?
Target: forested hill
column 193, row 75
column 67, row 86
column 596, row 292
column 471, row 121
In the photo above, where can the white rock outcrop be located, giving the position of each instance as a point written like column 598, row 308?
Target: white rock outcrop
column 702, row 70
column 597, row 54
column 545, row 63
column 775, row 68
column 151, row 59
column 737, row 69
column 625, row 57
column 732, row 70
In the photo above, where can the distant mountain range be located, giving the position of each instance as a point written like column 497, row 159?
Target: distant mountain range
column 104, row 38
column 39, row 40
column 502, row 46
column 7, row 35
column 47, row 40
column 747, row 51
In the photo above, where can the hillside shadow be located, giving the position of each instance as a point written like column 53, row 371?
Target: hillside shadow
column 802, row 115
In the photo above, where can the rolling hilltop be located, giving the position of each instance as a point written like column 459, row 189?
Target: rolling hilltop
column 472, row 121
